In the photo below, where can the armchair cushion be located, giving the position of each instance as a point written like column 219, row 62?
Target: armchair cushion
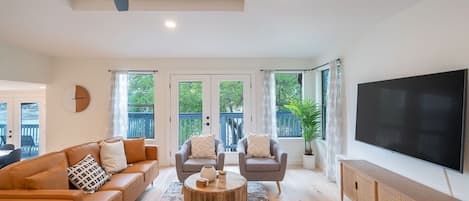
column 195, row 165
column 203, row 146
column 258, row 145
column 262, row 164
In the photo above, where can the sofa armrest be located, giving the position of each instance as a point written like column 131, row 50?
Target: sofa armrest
column 241, row 148
column 72, row 195
column 278, row 153
column 151, row 152
column 181, row 156
column 220, row 156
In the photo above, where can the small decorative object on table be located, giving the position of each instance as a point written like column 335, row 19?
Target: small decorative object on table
column 222, row 177
column 201, row 183
column 208, row 172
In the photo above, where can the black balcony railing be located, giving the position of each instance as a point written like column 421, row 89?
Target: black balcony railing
column 29, row 139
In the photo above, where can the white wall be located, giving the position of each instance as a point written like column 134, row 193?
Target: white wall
column 21, row 65
column 66, row 129
column 432, row 36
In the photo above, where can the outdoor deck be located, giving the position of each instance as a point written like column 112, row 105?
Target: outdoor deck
column 141, row 124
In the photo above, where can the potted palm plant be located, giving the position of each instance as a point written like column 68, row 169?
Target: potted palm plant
column 308, row 114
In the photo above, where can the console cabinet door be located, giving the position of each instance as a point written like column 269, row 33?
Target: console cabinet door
column 366, row 188
column 387, row 194
column 348, row 183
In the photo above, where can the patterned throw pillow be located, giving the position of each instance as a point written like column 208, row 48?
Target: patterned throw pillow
column 258, row 145
column 203, row 146
column 87, row 175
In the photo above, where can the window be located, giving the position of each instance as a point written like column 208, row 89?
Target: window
column 288, row 87
column 141, row 109
column 324, row 85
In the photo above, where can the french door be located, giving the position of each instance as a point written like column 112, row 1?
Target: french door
column 21, row 124
column 210, row 104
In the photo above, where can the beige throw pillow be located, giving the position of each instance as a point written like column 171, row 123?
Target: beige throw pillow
column 203, row 146
column 258, row 145
column 113, row 156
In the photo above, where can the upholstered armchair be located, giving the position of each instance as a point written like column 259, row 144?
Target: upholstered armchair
column 186, row 166
column 263, row 169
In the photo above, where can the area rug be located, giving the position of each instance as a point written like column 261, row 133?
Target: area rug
column 256, row 192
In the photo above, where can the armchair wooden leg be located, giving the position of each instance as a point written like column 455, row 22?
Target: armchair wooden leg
column 278, row 187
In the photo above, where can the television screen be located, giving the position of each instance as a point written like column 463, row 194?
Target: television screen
column 421, row 116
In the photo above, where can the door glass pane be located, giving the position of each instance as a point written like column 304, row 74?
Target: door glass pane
column 3, row 123
column 190, row 110
column 29, row 130
column 231, row 113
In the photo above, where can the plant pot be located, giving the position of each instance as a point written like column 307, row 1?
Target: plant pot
column 309, row 162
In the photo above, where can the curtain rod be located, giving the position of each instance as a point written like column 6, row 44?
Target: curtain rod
column 131, row 71
column 310, row 69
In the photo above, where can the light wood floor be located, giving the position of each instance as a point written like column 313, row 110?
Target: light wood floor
column 299, row 185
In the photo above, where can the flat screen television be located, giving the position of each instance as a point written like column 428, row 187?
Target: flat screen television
column 421, row 116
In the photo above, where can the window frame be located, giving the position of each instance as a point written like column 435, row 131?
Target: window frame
column 323, row 103
column 154, row 74
column 318, row 94
column 302, row 98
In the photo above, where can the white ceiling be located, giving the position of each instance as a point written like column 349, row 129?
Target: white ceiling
column 266, row 28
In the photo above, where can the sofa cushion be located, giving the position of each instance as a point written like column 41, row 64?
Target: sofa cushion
column 262, row 164
column 130, row 185
column 55, row 178
column 77, row 153
column 113, row 156
column 87, row 175
column 104, row 196
column 134, row 150
column 14, row 175
column 196, row 164
column 203, row 146
column 149, row 169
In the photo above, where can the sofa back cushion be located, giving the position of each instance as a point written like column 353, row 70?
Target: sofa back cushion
column 14, row 176
column 55, row 178
column 135, row 150
column 77, row 153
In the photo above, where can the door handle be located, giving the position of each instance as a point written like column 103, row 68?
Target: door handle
column 207, row 117
column 356, row 185
column 207, row 124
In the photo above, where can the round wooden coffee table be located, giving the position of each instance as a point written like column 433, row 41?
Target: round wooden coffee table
column 234, row 189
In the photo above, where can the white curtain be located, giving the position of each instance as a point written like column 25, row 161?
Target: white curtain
column 270, row 119
column 333, row 119
column 119, row 115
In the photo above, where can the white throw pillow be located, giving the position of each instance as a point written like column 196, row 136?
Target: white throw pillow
column 258, row 145
column 113, row 156
column 203, row 146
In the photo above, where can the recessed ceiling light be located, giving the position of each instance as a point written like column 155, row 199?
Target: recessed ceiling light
column 170, row 24
column 42, row 87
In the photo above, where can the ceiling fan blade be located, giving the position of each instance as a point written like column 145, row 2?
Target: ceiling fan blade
column 122, row 5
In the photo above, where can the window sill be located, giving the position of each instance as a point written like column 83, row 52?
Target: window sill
column 289, row 138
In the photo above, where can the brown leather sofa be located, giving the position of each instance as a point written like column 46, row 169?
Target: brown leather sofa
column 15, row 180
